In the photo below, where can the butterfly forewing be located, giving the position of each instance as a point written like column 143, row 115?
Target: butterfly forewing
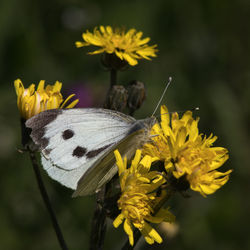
column 75, row 138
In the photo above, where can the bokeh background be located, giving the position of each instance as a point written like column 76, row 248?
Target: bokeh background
column 203, row 45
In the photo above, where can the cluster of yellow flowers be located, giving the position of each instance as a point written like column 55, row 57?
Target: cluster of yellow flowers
column 175, row 142
column 185, row 153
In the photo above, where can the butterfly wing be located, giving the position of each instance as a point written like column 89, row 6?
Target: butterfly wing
column 104, row 169
column 77, row 143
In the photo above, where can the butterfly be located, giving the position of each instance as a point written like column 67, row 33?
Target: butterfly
column 77, row 145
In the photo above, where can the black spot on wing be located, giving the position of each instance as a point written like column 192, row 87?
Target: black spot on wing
column 67, row 134
column 95, row 152
column 79, row 151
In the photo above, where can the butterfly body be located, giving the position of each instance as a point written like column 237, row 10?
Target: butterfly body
column 77, row 144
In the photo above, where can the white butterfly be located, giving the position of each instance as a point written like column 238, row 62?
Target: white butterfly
column 77, row 144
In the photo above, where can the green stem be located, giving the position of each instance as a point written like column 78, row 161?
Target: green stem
column 99, row 226
column 113, row 77
column 46, row 201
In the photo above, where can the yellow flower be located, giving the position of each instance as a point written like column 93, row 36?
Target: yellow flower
column 188, row 153
column 158, row 149
column 31, row 102
column 139, row 188
column 128, row 46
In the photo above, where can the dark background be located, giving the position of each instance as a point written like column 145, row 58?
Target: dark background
column 203, row 45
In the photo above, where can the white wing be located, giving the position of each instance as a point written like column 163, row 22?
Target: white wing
column 73, row 141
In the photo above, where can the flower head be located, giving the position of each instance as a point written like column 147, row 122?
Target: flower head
column 188, row 153
column 31, row 102
column 139, row 188
column 128, row 46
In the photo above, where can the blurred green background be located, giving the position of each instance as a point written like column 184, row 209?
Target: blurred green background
column 203, row 45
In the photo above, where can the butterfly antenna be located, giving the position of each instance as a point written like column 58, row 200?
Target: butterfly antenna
column 169, row 81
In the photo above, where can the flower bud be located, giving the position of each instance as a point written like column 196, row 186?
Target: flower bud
column 136, row 95
column 116, row 98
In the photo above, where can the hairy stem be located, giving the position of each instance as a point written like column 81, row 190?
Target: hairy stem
column 98, row 229
column 113, row 77
column 46, row 201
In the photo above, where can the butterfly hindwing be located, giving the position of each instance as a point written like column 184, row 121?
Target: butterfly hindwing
column 104, row 169
column 66, row 178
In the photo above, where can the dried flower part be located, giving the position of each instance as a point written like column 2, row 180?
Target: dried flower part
column 186, row 153
column 31, row 102
column 136, row 95
column 127, row 46
column 117, row 98
column 138, row 198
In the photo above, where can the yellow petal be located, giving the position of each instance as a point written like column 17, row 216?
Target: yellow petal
column 119, row 162
column 102, row 29
column 152, row 233
column 40, row 87
column 68, row 98
column 72, row 104
column 119, row 54
column 194, row 132
column 18, row 87
column 143, row 41
column 57, row 87
column 79, row 44
column 109, row 30
column 129, row 231
column 146, row 163
column 130, row 59
column 165, row 120
column 136, row 160
column 99, row 51
column 118, row 220
column 181, row 137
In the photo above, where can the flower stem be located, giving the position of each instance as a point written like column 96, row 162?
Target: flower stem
column 99, row 226
column 113, row 77
column 46, row 200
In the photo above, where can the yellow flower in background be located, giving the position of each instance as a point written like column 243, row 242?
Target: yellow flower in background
column 138, row 198
column 31, row 102
column 128, row 46
column 188, row 153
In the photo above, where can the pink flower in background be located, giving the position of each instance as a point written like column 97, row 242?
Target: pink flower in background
column 83, row 93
